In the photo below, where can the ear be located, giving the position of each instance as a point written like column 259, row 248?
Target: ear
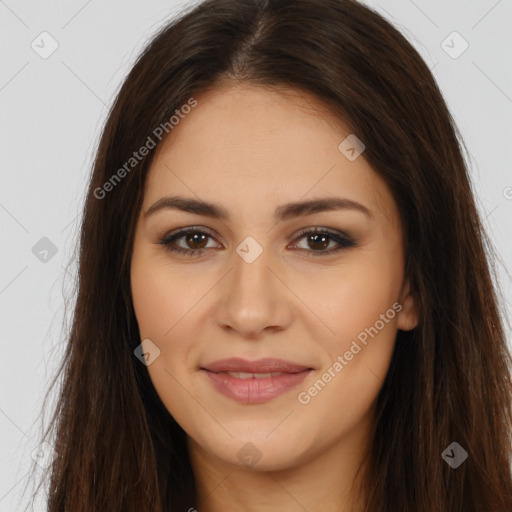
column 408, row 317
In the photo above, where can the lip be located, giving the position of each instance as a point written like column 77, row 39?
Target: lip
column 255, row 390
column 264, row 365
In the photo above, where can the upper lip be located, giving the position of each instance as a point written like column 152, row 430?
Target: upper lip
column 264, row 365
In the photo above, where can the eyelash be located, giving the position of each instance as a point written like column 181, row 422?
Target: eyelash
column 343, row 241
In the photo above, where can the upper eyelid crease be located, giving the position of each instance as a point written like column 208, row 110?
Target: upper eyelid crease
column 284, row 212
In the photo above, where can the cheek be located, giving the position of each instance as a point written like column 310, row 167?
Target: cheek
column 153, row 302
column 361, row 312
column 161, row 296
column 355, row 298
column 355, row 368
column 158, row 308
column 165, row 316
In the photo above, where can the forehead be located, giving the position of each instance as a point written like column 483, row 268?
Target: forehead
column 253, row 145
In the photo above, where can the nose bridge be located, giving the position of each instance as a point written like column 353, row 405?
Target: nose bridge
column 251, row 274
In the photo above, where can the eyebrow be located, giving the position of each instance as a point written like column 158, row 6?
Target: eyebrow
column 284, row 212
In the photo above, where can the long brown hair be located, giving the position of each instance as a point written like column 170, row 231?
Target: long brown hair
column 118, row 448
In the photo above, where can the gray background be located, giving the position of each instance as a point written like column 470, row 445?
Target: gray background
column 52, row 110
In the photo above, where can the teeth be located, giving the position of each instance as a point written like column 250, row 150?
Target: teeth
column 247, row 375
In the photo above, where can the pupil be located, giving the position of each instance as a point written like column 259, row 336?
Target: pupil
column 192, row 236
column 323, row 238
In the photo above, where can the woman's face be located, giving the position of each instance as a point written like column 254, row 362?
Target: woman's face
column 269, row 343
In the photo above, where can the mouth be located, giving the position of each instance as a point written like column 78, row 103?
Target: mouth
column 255, row 382
column 250, row 375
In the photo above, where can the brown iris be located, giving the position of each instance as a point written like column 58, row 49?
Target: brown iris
column 316, row 239
column 196, row 238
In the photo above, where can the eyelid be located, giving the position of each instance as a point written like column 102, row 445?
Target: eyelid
column 343, row 240
column 322, row 230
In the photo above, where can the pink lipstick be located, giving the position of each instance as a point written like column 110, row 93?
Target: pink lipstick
column 255, row 382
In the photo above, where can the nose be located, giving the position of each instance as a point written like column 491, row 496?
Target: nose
column 253, row 299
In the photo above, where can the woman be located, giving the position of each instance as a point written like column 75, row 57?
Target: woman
column 284, row 300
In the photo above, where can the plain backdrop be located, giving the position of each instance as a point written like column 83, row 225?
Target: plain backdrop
column 53, row 107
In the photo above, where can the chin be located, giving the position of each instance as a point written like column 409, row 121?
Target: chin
column 259, row 454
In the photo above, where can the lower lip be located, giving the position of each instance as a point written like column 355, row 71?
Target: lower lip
column 253, row 390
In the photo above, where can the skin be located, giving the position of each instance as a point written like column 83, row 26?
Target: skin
column 251, row 149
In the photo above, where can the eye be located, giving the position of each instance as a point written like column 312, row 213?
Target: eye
column 317, row 239
column 196, row 239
